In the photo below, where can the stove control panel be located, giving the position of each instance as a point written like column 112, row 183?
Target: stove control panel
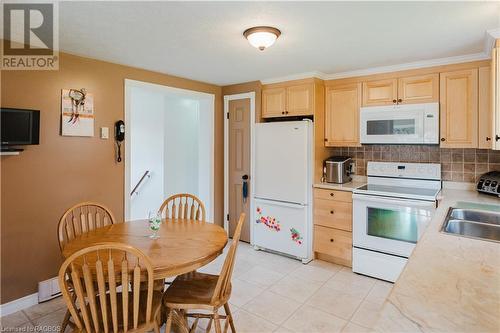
column 489, row 183
column 405, row 170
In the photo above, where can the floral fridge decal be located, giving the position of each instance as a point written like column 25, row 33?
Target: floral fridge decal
column 296, row 237
column 269, row 221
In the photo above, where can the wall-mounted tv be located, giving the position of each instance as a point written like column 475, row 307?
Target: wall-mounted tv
column 19, row 127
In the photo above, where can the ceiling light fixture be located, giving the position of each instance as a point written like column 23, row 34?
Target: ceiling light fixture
column 261, row 37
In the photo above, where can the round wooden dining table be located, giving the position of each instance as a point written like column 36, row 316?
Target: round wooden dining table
column 182, row 246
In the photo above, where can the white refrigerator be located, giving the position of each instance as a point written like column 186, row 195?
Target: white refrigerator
column 282, row 212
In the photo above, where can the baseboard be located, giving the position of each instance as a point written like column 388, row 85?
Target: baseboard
column 18, row 304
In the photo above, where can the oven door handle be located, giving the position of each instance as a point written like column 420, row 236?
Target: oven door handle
column 394, row 201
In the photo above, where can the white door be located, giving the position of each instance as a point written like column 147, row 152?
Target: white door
column 281, row 227
column 282, row 161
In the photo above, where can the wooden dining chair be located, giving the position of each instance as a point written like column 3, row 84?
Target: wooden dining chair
column 82, row 217
column 200, row 291
column 106, row 279
column 183, row 206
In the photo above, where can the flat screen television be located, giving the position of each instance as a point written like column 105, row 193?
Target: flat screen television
column 19, row 127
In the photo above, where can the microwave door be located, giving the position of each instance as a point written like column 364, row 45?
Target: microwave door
column 392, row 127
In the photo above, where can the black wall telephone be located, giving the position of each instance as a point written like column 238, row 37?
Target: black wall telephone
column 119, row 137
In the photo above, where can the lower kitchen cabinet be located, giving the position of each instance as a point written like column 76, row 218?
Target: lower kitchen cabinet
column 333, row 226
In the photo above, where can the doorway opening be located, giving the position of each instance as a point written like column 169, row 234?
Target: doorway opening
column 169, row 145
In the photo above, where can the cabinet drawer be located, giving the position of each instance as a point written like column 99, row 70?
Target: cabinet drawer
column 334, row 214
column 345, row 196
column 333, row 242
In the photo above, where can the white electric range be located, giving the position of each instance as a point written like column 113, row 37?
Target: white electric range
column 390, row 214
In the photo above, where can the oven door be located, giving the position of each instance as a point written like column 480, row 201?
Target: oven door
column 389, row 225
column 391, row 125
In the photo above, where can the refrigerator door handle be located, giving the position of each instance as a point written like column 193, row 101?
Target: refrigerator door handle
column 282, row 203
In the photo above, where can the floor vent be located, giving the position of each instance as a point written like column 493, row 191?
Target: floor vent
column 48, row 289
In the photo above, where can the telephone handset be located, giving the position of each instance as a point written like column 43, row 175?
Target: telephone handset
column 119, row 137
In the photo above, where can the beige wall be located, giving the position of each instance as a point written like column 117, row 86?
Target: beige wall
column 43, row 181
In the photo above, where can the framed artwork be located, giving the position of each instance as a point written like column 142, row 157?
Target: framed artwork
column 77, row 113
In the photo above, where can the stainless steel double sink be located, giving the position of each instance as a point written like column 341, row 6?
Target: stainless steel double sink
column 476, row 222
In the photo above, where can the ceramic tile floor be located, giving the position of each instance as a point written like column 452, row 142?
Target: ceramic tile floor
column 270, row 293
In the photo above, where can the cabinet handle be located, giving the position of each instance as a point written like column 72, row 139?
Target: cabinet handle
column 332, row 194
column 400, row 100
column 282, row 112
column 332, row 212
column 326, row 140
column 443, row 139
column 331, row 240
column 286, row 112
column 394, row 101
column 488, row 138
column 497, row 137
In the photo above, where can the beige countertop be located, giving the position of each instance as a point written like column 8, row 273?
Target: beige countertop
column 450, row 284
column 356, row 182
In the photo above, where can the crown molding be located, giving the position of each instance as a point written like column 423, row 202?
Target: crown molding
column 489, row 41
column 409, row 65
column 490, row 37
column 299, row 76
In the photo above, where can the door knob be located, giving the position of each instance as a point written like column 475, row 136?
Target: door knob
column 244, row 177
column 443, row 139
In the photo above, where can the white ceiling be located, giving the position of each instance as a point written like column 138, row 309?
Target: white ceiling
column 203, row 41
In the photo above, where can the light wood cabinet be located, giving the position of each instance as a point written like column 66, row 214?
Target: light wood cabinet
column 300, row 99
column 380, row 92
column 485, row 120
column 289, row 99
column 333, row 225
column 495, row 94
column 273, row 102
column 418, row 89
column 403, row 90
column 342, row 115
column 459, row 109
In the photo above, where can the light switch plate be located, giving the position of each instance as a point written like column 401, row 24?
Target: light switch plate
column 104, row 132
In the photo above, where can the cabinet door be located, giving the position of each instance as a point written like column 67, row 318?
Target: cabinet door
column 380, row 92
column 273, row 102
column 418, row 89
column 342, row 115
column 495, row 95
column 459, row 113
column 486, row 126
column 300, row 100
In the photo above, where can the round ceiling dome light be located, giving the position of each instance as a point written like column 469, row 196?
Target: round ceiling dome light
column 261, row 37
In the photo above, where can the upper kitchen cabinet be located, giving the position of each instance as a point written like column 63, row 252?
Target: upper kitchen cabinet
column 403, row 90
column 459, row 109
column 380, row 92
column 342, row 115
column 273, row 102
column 287, row 99
column 418, row 89
column 485, row 120
column 299, row 100
column 495, row 95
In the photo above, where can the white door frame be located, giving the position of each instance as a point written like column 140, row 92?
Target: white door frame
column 127, row 186
column 228, row 98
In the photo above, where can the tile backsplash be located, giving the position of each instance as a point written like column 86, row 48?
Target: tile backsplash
column 459, row 165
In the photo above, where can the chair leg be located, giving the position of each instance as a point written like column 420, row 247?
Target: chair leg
column 229, row 317
column 217, row 321
column 65, row 321
column 157, row 328
column 209, row 325
column 168, row 326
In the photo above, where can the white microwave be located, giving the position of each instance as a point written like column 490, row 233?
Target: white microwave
column 400, row 124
